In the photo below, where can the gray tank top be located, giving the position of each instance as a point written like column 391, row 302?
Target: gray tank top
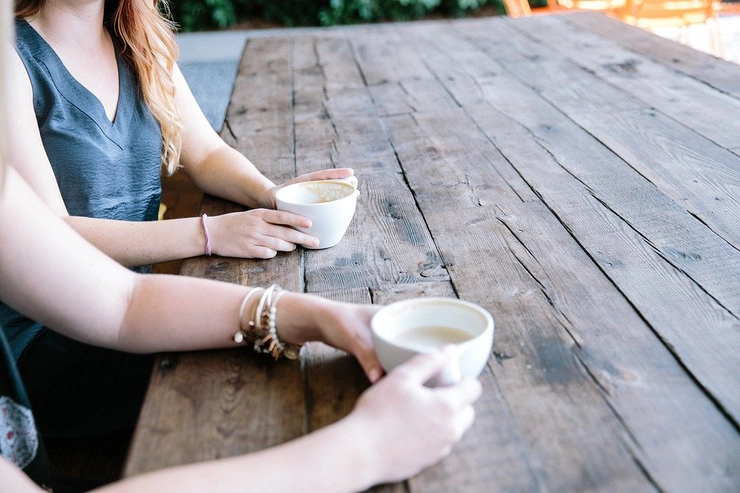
column 104, row 170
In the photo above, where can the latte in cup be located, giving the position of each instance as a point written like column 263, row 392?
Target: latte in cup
column 432, row 337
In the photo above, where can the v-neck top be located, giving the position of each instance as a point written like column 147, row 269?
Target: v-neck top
column 104, row 169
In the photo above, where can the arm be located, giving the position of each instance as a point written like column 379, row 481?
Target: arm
column 259, row 234
column 89, row 297
column 219, row 169
column 397, row 428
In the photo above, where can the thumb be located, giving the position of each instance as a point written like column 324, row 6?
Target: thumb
column 424, row 366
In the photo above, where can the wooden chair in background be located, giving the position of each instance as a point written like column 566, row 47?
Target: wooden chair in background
column 681, row 14
column 521, row 8
column 595, row 5
column 728, row 7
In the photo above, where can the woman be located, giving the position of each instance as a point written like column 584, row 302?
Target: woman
column 397, row 427
column 98, row 106
column 99, row 103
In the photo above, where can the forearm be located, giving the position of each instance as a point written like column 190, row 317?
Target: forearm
column 180, row 313
column 133, row 243
column 343, row 465
column 224, row 172
column 204, row 314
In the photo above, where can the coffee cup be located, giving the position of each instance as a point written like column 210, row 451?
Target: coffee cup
column 329, row 204
column 420, row 325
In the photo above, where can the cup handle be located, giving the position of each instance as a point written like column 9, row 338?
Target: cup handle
column 450, row 375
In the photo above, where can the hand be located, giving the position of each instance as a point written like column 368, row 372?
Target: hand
column 258, row 233
column 324, row 174
column 345, row 326
column 408, row 426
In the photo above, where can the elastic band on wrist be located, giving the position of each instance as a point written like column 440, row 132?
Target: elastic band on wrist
column 205, row 232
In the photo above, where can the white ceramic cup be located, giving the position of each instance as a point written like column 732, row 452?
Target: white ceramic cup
column 419, row 325
column 329, row 204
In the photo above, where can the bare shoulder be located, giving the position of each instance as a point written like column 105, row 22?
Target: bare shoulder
column 19, row 83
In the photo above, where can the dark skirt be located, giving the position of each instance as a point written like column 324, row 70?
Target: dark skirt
column 77, row 390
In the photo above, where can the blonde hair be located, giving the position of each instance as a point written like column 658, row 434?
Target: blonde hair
column 146, row 40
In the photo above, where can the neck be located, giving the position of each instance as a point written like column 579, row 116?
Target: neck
column 73, row 23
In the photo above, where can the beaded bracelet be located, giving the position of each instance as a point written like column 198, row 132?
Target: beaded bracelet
column 262, row 328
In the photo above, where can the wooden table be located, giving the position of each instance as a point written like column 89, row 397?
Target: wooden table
column 577, row 177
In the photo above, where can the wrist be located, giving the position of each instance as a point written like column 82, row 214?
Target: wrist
column 258, row 323
column 299, row 318
column 260, row 193
column 362, row 456
column 208, row 246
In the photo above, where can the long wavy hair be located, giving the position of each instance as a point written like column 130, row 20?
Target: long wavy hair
column 144, row 36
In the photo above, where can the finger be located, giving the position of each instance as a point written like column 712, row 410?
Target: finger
column 422, row 367
column 284, row 218
column 462, row 394
column 262, row 252
column 285, row 239
column 327, row 174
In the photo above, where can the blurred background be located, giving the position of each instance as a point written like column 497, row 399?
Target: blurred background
column 203, row 15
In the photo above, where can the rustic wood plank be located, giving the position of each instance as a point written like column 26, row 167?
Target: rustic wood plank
column 403, row 250
column 681, row 153
column 450, row 163
column 634, row 74
column 336, row 122
column 259, row 119
column 387, row 242
column 720, row 74
column 466, row 81
column 632, row 231
column 411, row 96
column 384, row 58
column 688, row 168
column 576, row 365
column 212, row 404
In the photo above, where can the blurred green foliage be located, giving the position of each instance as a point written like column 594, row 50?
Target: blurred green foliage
column 197, row 15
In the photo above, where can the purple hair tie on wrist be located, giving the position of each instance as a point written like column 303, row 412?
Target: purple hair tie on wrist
column 205, row 232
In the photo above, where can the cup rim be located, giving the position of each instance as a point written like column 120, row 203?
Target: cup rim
column 485, row 314
column 279, row 194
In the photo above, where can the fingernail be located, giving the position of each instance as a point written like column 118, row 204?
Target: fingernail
column 374, row 375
